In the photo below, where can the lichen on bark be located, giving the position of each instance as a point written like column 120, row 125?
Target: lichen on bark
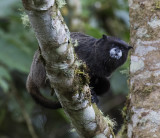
column 145, row 72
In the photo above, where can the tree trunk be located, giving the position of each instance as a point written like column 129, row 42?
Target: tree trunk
column 54, row 40
column 143, row 114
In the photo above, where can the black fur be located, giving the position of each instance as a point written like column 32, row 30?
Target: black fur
column 95, row 52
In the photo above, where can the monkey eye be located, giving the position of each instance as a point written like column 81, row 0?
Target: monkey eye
column 115, row 53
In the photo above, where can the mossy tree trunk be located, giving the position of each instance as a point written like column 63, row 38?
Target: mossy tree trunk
column 71, row 88
column 143, row 114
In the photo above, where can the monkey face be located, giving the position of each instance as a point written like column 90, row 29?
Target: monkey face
column 113, row 47
column 111, row 53
column 115, row 53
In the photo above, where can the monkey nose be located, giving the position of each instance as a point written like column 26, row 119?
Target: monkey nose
column 117, row 50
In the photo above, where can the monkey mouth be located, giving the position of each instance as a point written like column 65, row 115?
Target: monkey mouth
column 116, row 56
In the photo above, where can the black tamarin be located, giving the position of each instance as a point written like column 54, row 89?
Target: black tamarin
column 102, row 57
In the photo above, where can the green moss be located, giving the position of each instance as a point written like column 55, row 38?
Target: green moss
column 95, row 108
column 25, row 19
column 124, row 111
column 158, row 4
column 110, row 122
column 60, row 3
column 103, row 121
column 122, row 132
column 81, row 80
column 80, row 73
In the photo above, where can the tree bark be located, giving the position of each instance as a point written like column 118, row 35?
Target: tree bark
column 56, row 48
column 143, row 106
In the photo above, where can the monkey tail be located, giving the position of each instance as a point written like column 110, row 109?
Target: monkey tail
column 39, row 98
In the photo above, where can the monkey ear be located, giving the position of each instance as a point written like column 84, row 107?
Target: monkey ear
column 104, row 36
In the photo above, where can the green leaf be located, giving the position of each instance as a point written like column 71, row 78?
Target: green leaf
column 4, row 74
column 6, row 7
column 119, row 83
column 14, row 57
column 4, row 85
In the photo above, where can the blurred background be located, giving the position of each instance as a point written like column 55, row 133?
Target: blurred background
column 20, row 117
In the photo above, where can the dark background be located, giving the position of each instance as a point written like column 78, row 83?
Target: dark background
column 17, row 46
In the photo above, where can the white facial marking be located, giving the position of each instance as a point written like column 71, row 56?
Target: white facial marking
column 116, row 53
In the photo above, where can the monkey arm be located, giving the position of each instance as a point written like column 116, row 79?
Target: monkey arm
column 100, row 85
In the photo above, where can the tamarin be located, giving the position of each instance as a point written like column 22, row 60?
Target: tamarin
column 102, row 57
